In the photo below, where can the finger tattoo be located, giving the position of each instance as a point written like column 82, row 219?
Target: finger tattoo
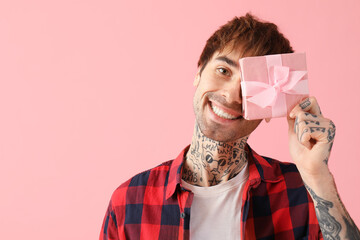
column 332, row 124
column 308, row 122
column 305, row 131
column 331, row 134
column 296, row 123
column 305, row 104
column 313, row 115
column 313, row 129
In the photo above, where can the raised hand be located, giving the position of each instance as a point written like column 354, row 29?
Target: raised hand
column 311, row 137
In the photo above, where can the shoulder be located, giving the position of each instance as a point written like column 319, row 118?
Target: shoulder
column 292, row 180
column 136, row 185
column 271, row 169
column 287, row 170
column 283, row 167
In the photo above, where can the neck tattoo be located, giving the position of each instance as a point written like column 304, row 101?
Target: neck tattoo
column 209, row 162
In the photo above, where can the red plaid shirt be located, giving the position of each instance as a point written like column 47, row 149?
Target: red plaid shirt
column 154, row 205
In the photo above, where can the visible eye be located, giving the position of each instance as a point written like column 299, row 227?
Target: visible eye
column 223, row 71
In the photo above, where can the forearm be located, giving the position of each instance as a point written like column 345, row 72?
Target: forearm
column 334, row 220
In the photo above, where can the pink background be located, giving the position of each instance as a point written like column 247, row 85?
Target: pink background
column 92, row 92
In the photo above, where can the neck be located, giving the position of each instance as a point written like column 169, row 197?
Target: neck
column 209, row 162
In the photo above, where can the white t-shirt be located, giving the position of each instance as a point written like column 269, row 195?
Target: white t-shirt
column 216, row 210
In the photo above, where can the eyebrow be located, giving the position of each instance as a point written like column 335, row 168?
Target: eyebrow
column 228, row 61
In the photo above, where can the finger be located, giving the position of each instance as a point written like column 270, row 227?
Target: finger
column 324, row 131
column 303, row 134
column 302, row 131
column 307, row 105
column 331, row 132
column 301, row 107
column 309, row 132
column 309, row 117
column 303, row 116
column 331, row 135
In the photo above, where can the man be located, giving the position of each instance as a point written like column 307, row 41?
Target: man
column 218, row 187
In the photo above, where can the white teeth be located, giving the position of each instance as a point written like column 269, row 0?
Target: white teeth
column 222, row 114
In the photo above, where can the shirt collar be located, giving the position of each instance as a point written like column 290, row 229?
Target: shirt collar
column 175, row 172
column 260, row 169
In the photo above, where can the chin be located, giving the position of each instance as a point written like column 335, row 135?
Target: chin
column 223, row 134
column 222, row 138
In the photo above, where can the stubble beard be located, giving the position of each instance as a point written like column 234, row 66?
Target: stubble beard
column 216, row 131
column 213, row 130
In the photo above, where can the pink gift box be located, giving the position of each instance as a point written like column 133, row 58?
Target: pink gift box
column 272, row 85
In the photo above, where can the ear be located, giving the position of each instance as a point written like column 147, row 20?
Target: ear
column 197, row 78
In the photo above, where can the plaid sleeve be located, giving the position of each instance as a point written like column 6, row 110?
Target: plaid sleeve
column 109, row 229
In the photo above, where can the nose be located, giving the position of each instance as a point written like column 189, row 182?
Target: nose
column 231, row 91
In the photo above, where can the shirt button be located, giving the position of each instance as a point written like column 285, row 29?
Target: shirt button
column 182, row 215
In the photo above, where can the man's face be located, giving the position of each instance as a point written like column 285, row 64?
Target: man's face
column 217, row 100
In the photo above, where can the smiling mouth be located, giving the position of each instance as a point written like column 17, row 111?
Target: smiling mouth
column 222, row 114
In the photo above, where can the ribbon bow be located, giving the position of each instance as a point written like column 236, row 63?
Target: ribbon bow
column 282, row 81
